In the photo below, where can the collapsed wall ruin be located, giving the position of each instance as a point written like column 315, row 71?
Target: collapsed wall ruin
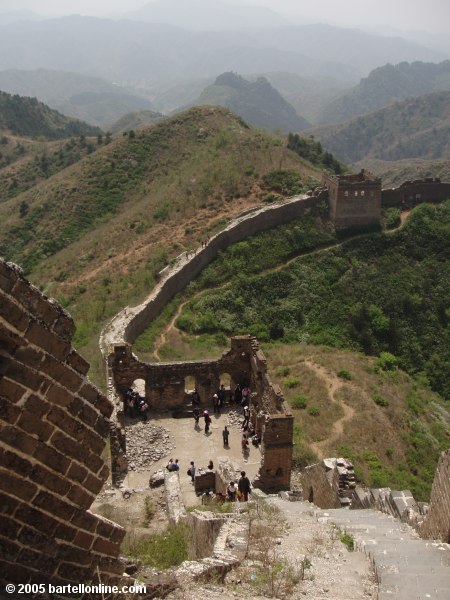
column 54, row 426
column 165, row 390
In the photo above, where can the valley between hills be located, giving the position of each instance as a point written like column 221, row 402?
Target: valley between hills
column 95, row 219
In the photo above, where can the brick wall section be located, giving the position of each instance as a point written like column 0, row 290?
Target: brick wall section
column 321, row 486
column 130, row 323
column 410, row 193
column 436, row 524
column 165, row 390
column 53, row 429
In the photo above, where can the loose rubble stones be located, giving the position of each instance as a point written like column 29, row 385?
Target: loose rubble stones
column 146, row 444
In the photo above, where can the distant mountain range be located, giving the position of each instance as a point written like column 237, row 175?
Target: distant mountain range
column 28, row 117
column 198, row 16
column 415, row 128
column 90, row 99
column 386, row 85
column 257, row 102
column 138, row 53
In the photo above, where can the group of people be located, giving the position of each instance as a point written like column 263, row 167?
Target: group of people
column 136, row 406
column 240, row 491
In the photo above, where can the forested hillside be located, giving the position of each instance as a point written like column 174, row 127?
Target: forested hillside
column 386, row 85
column 378, row 293
column 28, row 117
column 415, row 128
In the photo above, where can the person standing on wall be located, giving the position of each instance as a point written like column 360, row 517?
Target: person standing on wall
column 244, row 487
column 207, row 421
column 246, row 420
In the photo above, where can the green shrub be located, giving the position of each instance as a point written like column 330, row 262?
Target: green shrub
column 299, row 402
column 392, row 218
column 291, row 382
column 313, row 411
column 348, row 540
column 344, row 374
column 282, row 371
column 386, row 362
column 380, row 400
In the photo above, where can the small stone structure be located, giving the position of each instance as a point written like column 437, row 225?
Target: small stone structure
column 54, row 426
column 330, row 483
column 165, row 391
column 355, row 200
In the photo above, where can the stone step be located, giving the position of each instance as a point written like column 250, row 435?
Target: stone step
column 407, row 567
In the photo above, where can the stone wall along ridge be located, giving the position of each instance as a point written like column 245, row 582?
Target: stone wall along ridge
column 130, row 322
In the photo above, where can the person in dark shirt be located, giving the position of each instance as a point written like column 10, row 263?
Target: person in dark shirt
column 244, row 487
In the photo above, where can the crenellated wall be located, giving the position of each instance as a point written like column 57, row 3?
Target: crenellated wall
column 53, row 429
column 410, row 193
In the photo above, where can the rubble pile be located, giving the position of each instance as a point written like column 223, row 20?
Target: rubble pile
column 146, row 444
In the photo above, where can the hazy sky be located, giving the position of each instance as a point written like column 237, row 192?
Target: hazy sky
column 430, row 15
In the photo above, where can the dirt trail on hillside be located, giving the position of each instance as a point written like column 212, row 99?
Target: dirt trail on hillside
column 333, row 384
column 161, row 339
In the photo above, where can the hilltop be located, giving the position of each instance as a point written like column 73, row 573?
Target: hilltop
column 28, row 117
column 90, row 99
column 386, row 85
column 257, row 102
column 96, row 234
column 415, row 128
column 136, row 120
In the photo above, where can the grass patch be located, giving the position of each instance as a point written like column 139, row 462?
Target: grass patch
column 160, row 551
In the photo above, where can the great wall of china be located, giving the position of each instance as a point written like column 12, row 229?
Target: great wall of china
column 55, row 423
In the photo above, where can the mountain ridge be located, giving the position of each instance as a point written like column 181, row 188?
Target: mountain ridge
column 257, row 102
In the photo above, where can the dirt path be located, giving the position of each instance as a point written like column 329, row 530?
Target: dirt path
column 333, row 384
column 161, row 339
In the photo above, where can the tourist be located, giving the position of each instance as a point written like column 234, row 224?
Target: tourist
column 231, row 491
column 196, row 413
column 244, row 487
column 175, row 466
column 221, row 393
column 169, row 464
column 225, row 435
column 244, row 440
column 210, row 465
column 191, row 471
column 216, row 408
column 207, row 421
column 195, row 397
column 246, row 420
column 245, row 395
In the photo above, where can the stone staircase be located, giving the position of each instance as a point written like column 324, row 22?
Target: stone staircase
column 406, row 566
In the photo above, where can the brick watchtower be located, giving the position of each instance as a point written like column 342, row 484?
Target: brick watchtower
column 355, row 200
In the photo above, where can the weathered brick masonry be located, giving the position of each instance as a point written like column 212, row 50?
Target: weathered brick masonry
column 53, row 428
column 436, row 524
column 245, row 364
